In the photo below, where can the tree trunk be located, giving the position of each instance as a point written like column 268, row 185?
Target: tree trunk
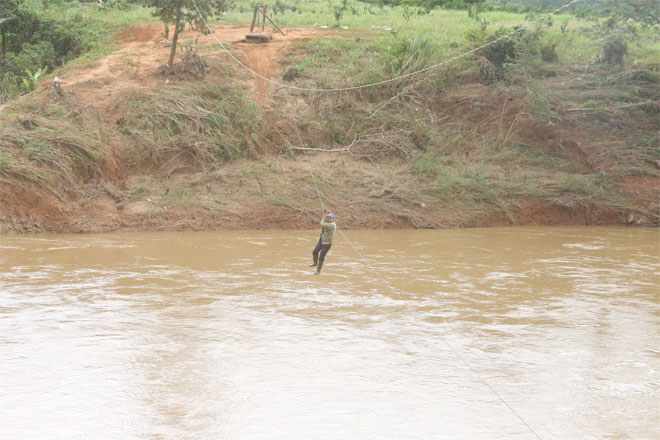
column 3, row 52
column 175, row 37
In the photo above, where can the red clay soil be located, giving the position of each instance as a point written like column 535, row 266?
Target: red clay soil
column 112, row 203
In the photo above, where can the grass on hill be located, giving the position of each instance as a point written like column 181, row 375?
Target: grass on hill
column 448, row 151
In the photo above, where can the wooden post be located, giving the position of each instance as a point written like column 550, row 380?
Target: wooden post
column 263, row 22
column 274, row 25
column 261, row 36
column 254, row 18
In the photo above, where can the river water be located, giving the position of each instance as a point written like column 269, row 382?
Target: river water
column 512, row 333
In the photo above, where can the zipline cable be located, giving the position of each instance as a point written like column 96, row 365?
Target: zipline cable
column 318, row 192
column 378, row 83
column 443, row 338
column 295, row 125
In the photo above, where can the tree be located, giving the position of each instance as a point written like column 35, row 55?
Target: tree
column 7, row 10
column 646, row 12
column 182, row 12
column 625, row 16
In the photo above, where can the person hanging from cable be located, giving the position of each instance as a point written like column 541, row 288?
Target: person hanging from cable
column 328, row 228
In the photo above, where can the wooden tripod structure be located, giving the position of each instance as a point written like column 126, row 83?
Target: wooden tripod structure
column 259, row 18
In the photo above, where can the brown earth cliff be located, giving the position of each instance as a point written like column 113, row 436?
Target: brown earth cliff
column 278, row 182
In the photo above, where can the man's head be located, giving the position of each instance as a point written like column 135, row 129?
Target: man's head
column 331, row 217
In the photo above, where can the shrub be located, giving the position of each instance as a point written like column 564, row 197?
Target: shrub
column 412, row 54
column 5, row 159
column 615, row 49
column 548, row 50
column 206, row 124
column 32, row 57
column 429, row 164
column 576, row 183
column 498, row 53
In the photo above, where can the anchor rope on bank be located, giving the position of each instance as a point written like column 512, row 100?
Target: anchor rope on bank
column 378, row 83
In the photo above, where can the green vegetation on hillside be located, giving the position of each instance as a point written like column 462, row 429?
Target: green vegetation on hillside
column 36, row 36
column 201, row 124
column 453, row 31
column 561, row 113
column 56, row 148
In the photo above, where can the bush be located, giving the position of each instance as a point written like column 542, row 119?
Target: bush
column 576, row 183
column 206, row 124
column 548, row 50
column 521, row 51
column 49, row 33
column 498, row 53
column 32, row 57
column 614, row 50
column 429, row 164
column 65, row 36
column 412, row 54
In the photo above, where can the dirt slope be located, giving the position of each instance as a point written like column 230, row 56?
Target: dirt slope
column 273, row 190
column 144, row 49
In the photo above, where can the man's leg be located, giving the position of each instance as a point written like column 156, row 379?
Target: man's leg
column 315, row 253
column 324, row 250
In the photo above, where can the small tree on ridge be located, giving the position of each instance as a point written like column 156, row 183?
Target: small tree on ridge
column 182, row 12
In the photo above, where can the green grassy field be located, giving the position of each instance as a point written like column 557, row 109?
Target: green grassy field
column 446, row 28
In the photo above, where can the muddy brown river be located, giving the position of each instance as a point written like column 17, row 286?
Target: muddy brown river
column 512, row 333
